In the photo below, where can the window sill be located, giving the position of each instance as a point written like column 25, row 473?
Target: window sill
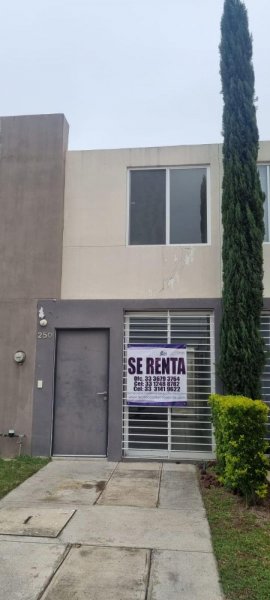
column 200, row 245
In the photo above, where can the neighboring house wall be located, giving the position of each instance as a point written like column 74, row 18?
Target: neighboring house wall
column 32, row 173
column 264, row 157
column 97, row 260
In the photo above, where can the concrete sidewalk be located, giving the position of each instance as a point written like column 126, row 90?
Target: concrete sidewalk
column 94, row 530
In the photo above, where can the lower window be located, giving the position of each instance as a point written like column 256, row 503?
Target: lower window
column 184, row 431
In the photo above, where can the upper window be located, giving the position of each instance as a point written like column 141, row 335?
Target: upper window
column 264, row 173
column 168, row 206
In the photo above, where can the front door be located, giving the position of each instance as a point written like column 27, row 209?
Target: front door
column 81, row 388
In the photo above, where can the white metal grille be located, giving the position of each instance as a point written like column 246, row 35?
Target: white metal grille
column 184, row 432
column 265, row 330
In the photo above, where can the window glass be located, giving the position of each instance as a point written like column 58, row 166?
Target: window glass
column 148, row 207
column 263, row 177
column 188, row 206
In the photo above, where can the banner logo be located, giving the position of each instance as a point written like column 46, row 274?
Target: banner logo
column 157, row 375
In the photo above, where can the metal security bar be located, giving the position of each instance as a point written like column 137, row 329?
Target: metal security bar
column 179, row 432
column 265, row 331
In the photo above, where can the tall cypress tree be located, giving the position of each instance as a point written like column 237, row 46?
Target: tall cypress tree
column 242, row 348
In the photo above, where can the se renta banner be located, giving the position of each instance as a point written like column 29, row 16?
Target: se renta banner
column 157, row 375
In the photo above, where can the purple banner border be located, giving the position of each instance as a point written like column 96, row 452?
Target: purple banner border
column 170, row 403
column 156, row 345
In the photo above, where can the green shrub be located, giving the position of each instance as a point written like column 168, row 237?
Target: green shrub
column 240, row 429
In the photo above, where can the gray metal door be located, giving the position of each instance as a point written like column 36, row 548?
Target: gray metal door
column 81, row 387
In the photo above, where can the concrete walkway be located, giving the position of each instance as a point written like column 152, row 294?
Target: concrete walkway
column 94, row 530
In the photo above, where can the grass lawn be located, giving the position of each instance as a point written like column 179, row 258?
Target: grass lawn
column 15, row 471
column 241, row 539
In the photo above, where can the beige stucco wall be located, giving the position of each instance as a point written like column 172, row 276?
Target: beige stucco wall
column 98, row 263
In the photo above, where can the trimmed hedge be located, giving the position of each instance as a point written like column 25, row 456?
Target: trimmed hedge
column 240, row 429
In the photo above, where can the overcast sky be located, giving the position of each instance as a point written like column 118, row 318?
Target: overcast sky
column 125, row 72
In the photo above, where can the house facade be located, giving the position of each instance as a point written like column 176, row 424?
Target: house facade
column 100, row 250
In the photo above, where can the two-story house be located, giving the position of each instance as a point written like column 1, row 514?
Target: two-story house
column 101, row 249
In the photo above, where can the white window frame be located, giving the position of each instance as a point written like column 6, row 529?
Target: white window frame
column 267, row 198
column 167, row 169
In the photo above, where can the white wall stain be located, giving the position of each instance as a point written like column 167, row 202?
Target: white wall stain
column 188, row 256
column 171, row 282
column 174, row 269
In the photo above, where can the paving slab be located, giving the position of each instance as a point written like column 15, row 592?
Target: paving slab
column 183, row 576
column 139, row 528
column 23, row 573
column 101, row 574
column 57, row 491
column 99, row 468
column 180, row 490
column 132, row 487
column 64, row 483
column 33, row 521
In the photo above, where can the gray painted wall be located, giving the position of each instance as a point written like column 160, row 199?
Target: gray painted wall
column 109, row 314
column 32, row 172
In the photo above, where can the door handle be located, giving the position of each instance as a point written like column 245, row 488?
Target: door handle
column 102, row 393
